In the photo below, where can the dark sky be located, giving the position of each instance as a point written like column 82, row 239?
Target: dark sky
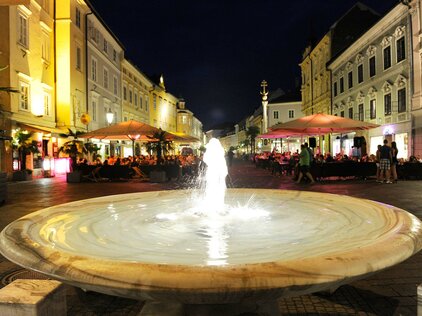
column 215, row 53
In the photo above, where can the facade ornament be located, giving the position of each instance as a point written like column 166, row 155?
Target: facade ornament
column 386, row 87
column 400, row 30
column 349, row 66
column 386, row 41
column 359, row 58
column 371, row 50
column 372, row 92
column 400, row 82
column 360, row 97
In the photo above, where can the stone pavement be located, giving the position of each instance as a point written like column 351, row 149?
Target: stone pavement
column 390, row 292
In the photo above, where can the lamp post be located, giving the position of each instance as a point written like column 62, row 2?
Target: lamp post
column 264, row 95
column 109, row 116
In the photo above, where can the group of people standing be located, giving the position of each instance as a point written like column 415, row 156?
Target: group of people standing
column 387, row 162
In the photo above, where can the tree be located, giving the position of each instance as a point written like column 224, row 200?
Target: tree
column 74, row 148
column 159, row 144
column 251, row 133
column 23, row 143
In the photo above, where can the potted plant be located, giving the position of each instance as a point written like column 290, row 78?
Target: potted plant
column 24, row 144
column 159, row 144
column 73, row 148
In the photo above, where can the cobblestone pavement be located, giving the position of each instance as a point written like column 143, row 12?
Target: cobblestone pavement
column 390, row 292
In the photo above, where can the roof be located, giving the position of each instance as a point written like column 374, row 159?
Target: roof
column 290, row 96
column 357, row 20
column 351, row 25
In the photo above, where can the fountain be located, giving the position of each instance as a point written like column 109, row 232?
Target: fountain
column 229, row 247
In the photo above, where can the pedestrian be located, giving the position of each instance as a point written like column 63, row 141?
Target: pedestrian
column 394, row 161
column 304, row 164
column 230, row 156
column 385, row 161
column 377, row 160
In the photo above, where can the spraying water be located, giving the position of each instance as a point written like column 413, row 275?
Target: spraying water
column 215, row 177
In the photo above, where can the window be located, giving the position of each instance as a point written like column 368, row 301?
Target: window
column 342, row 113
column 360, row 73
column 350, row 79
column 387, row 57
column 335, row 89
column 275, row 115
column 401, row 96
column 24, row 96
column 78, row 58
column 372, row 66
column 135, row 97
column 387, row 104
column 114, row 55
column 94, row 110
column 154, row 101
column 105, row 46
column 146, row 103
column 140, row 101
column 124, row 93
column 23, row 30
column 45, row 46
column 47, row 103
column 115, row 85
column 351, row 113
column 94, row 69
column 372, row 109
column 78, row 18
column 341, row 85
column 361, row 112
column 130, row 95
column 105, row 78
column 291, row 114
column 401, row 50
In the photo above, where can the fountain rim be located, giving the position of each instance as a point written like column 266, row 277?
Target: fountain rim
column 82, row 270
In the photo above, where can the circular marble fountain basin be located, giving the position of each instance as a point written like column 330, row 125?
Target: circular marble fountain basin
column 157, row 245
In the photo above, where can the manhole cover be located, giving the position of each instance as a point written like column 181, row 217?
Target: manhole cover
column 22, row 274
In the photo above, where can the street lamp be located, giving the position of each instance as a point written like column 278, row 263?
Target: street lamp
column 109, row 116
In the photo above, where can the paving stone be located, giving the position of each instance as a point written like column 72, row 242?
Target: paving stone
column 390, row 292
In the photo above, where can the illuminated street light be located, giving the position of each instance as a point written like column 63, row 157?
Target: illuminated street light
column 109, row 116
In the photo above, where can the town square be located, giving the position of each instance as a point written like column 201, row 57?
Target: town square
column 210, row 158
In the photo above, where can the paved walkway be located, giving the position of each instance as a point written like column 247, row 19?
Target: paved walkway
column 390, row 292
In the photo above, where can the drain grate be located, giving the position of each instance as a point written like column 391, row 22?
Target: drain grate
column 22, row 274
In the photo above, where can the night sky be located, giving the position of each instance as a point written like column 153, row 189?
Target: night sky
column 215, row 53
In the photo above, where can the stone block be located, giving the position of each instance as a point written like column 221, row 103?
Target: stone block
column 157, row 176
column 33, row 298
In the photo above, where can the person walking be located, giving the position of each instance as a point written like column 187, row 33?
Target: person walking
column 385, row 161
column 304, row 164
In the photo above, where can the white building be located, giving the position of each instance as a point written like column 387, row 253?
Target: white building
column 282, row 109
column 371, row 82
column 104, row 56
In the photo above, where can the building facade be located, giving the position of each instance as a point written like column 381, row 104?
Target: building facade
column 163, row 107
column 371, row 82
column 135, row 93
column 27, row 64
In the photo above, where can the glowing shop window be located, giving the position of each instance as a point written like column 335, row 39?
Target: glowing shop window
column 402, row 143
column 375, row 141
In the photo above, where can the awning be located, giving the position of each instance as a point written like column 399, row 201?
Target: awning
column 40, row 129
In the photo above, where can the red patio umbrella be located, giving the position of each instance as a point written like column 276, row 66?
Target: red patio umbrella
column 320, row 123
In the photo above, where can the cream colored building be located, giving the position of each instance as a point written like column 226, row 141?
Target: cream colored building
column 27, row 62
column 371, row 82
column 135, row 93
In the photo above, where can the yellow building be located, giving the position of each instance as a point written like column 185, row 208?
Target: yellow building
column 27, row 63
column 71, row 65
column 163, row 107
